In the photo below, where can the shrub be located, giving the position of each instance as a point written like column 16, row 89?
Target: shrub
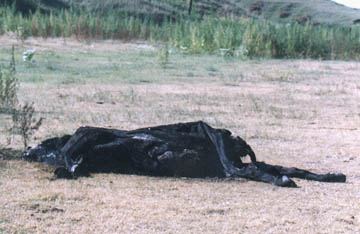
column 8, row 87
column 256, row 7
column 284, row 15
column 23, row 121
column 303, row 19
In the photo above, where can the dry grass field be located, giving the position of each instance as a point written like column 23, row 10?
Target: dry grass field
column 300, row 113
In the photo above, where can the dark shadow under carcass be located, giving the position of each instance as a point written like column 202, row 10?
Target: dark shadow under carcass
column 192, row 149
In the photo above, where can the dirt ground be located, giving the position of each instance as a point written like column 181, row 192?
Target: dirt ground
column 300, row 113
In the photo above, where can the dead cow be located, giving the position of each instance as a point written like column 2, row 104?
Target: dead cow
column 185, row 149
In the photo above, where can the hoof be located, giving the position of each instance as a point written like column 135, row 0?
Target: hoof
column 341, row 178
column 62, row 173
column 287, row 182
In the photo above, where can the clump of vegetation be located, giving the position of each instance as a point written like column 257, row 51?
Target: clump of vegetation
column 24, row 122
column 163, row 56
column 8, row 87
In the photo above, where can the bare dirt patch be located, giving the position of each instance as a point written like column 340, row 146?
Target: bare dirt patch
column 71, row 44
column 298, row 113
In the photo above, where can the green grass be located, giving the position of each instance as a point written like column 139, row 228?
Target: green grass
column 59, row 68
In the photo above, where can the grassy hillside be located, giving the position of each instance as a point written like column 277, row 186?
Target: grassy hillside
column 316, row 11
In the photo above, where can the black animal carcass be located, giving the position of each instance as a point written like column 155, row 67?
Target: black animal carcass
column 185, row 150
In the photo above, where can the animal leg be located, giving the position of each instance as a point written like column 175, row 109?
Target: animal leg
column 252, row 171
column 304, row 174
column 300, row 173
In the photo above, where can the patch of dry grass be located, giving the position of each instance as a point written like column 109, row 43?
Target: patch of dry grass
column 295, row 113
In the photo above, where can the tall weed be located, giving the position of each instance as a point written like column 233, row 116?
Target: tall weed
column 8, row 87
column 23, row 119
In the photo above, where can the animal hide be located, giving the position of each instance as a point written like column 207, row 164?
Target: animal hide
column 184, row 150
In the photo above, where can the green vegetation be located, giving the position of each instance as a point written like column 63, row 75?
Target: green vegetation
column 8, row 87
column 163, row 56
column 241, row 37
column 24, row 122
